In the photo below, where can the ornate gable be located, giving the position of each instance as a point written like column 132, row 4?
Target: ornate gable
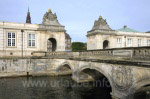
column 101, row 24
column 50, row 18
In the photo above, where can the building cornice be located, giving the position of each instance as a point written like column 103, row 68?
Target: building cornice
column 34, row 27
column 101, row 32
column 53, row 28
column 117, row 33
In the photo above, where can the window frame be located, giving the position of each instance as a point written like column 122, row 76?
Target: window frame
column 119, row 41
column 11, row 39
column 139, row 42
column 148, row 42
column 130, row 42
column 31, row 40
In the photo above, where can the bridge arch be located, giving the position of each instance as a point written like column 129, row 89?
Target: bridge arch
column 139, row 85
column 65, row 68
column 98, row 76
column 97, row 69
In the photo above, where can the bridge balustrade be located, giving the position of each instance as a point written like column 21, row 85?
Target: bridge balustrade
column 142, row 53
column 130, row 53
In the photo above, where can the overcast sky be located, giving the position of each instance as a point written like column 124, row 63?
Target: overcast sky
column 78, row 16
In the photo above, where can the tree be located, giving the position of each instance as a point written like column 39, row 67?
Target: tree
column 79, row 46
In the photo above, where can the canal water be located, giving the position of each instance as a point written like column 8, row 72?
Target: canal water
column 61, row 87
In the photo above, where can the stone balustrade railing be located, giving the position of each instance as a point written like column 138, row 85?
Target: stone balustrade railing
column 142, row 53
column 132, row 53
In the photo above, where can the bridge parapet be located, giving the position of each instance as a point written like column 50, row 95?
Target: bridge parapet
column 62, row 54
column 140, row 53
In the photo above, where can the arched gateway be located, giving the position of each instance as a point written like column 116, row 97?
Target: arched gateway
column 105, row 44
column 51, row 45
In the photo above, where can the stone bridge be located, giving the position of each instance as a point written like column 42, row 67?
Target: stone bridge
column 126, row 70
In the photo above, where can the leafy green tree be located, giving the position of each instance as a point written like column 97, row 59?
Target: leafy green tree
column 79, row 46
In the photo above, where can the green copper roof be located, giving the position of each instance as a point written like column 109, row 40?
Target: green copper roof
column 125, row 29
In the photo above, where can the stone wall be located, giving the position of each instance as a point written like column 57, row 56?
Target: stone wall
column 35, row 67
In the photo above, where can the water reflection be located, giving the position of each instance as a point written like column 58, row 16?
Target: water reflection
column 50, row 88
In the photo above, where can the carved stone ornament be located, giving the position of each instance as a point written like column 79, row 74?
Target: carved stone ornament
column 101, row 24
column 122, row 77
column 50, row 18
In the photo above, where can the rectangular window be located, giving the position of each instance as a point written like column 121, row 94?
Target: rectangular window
column 129, row 42
column 11, row 39
column 118, row 42
column 139, row 42
column 148, row 42
column 31, row 40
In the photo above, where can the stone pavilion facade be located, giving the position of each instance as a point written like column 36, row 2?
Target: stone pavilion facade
column 101, row 36
column 21, row 39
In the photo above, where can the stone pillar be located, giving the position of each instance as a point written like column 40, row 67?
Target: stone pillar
column 75, row 77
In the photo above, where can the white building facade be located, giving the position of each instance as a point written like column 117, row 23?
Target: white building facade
column 103, row 37
column 21, row 39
